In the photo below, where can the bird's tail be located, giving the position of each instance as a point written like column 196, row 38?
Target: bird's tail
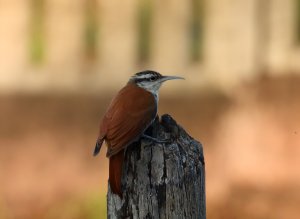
column 115, row 172
column 98, row 146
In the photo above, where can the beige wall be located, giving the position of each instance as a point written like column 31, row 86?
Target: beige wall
column 241, row 39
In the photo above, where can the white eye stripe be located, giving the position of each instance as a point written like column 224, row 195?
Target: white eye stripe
column 146, row 76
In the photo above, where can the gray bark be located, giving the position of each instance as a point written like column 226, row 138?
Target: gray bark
column 162, row 180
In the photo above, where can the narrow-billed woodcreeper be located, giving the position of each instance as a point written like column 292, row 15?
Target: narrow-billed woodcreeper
column 129, row 114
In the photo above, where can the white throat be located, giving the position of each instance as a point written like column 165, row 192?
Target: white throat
column 152, row 88
column 156, row 96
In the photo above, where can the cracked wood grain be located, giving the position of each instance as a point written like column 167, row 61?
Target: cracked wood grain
column 162, row 181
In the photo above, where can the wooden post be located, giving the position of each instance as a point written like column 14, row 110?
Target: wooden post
column 162, row 180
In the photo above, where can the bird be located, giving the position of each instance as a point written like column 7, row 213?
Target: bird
column 129, row 114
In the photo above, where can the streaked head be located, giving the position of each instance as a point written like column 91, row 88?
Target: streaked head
column 151, row 80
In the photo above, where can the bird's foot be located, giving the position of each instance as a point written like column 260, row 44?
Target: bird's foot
column 156, row 140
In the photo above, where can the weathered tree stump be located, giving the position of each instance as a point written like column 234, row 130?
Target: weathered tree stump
column 162, row 180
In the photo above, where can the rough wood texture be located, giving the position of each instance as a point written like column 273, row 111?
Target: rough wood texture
column 162, row 180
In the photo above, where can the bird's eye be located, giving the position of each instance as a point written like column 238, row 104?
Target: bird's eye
column 152, row 78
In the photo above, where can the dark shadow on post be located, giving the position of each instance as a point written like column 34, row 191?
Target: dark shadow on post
column 162, row 180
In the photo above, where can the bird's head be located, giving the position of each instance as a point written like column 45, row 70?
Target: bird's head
column 150, row 80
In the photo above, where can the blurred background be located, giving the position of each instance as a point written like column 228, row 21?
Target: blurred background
column 61, row 61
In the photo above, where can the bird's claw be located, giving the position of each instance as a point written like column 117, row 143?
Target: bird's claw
column 156, row 140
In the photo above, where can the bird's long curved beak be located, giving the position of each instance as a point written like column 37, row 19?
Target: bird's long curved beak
column 166, row 78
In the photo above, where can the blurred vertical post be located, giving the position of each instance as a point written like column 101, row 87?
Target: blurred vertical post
column 283, row 35
column 14, row 41
column 170, row 35
column 162, row 180
column 118, row 39
column 65, row 44
column 230, row 39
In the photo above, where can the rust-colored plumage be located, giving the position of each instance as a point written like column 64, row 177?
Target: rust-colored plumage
column 127, row 117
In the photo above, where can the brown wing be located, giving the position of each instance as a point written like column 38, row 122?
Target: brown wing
column 127, row 117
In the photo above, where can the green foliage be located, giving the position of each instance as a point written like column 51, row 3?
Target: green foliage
column 36, row 38
column 196, row 28
column 144, row 20
column 95, row 206
column 298, row 19
column 92, row 206
column 91, row 29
